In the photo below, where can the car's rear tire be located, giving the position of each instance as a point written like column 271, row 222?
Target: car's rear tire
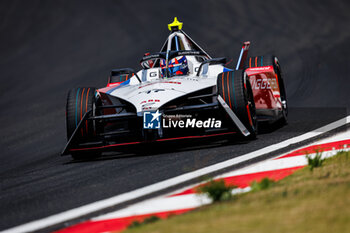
column 283, row 94
column 270, row 60
column 80, row 101
column 234, row 87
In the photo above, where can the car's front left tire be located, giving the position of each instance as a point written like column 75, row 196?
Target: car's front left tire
column 79, row 102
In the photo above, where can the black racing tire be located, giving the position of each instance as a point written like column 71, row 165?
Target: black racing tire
column 283, row 94
column 270, row 60
column 80, row 101
column 234, row 87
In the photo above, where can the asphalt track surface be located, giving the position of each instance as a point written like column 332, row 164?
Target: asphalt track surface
column 49, row 47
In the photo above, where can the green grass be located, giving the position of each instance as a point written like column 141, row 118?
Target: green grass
column 216, row 190
column 317, row 161
column 265, row 183
column 317, row 201
column 148, row 220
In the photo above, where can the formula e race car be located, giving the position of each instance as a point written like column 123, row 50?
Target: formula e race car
column 180, row 92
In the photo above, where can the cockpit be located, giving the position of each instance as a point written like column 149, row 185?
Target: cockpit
column 177, row 40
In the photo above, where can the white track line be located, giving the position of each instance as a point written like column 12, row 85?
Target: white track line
column 99, row 205
column 164, row 204
column 157, row 205
column 167, row 203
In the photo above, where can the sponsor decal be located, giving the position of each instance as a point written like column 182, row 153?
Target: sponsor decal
column 150, row 101
column 153, row 74
column 260, row 68
column 189, row 53
column 192, row 79
column 145, row 105
column 192, row 123
column 149, row 84
column 264, row 83
column 148, row 57
column 152, row 120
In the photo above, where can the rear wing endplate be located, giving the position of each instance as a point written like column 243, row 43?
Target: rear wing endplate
column 243, row 55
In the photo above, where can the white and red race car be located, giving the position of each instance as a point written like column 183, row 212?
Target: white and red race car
column 180, row 92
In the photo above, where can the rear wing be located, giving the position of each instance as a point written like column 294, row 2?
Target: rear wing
column 172, row 54
column 243, row 55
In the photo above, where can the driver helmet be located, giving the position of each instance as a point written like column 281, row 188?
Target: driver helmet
column 177, row 66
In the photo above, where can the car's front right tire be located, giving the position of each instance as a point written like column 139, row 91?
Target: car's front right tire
column 234, row 87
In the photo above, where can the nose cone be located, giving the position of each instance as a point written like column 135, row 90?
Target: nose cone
column 153, row 95
column 153, row 99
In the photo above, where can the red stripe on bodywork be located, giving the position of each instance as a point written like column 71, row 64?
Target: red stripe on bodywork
column 189, row 137
column 106, row 146
column 159, row 140
column 109, row 87
column 242, row 181
column 249, row 116
column 116, row 225
column 320, row 148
